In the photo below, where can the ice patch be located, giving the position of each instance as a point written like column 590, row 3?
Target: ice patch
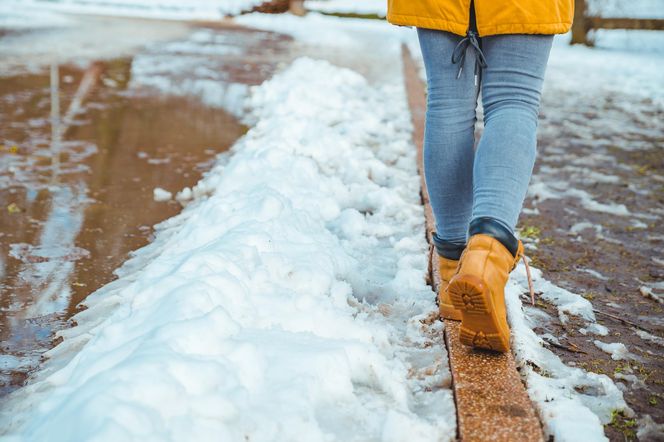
column 617, row 350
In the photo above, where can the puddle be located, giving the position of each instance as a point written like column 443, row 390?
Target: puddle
column 69, row 220
column 158, row 114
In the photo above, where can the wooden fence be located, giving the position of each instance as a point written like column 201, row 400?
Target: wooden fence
column 583, row 23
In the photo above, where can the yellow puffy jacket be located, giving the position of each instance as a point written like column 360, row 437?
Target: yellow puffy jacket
column 492, row 16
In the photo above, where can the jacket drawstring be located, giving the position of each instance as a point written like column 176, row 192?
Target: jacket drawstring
column 459, row 54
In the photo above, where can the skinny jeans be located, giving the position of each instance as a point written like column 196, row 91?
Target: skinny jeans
column 491, row 180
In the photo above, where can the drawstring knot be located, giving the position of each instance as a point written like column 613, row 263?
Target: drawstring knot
column 459, row 54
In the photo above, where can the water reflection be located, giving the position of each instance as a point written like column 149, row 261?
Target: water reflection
column 44, row 273
column 76, row 195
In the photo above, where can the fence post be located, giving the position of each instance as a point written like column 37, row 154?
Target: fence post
column 580, row 26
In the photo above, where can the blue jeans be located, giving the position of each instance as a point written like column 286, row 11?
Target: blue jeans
column 465, row 183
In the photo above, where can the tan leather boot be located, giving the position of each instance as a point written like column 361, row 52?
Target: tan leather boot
column 447, row 268
column 478, row 291
column 448, row 259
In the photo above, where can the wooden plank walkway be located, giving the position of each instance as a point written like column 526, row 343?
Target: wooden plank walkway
column 492, row 403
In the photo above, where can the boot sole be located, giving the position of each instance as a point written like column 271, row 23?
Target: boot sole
column 447, row 311
column 480, row 326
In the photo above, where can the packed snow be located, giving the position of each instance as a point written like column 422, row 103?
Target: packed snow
column 631, row 66
column 617, row 350
column 161, row 195
column 285, row 304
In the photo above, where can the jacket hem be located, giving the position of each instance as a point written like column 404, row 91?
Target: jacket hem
column 462, row 28
column 520, row 28
column 428, row 23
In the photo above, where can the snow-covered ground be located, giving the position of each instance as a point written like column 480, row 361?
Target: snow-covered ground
column 28, row 45
column 573, row 404
column 156, row 9
column 622, row 8
column 285, row 302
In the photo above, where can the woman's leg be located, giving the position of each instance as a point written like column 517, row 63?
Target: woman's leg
column 511, row 88
column 449, row 134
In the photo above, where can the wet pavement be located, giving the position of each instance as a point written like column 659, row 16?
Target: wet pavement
column 593, row 220
column 73, row 210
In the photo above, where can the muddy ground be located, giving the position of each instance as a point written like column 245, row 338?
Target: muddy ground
column 610, row 149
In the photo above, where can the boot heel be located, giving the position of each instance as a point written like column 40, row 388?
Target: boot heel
column 478, row 339
column 468, row 294
column 480, row 327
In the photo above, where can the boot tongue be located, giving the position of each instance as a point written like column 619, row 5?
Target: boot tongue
column 496, row 230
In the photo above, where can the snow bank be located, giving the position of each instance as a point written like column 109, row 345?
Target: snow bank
column 617, row 350
column 159, row 9
column 285, row 305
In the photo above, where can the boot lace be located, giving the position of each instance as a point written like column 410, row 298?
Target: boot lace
column 530, row 279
